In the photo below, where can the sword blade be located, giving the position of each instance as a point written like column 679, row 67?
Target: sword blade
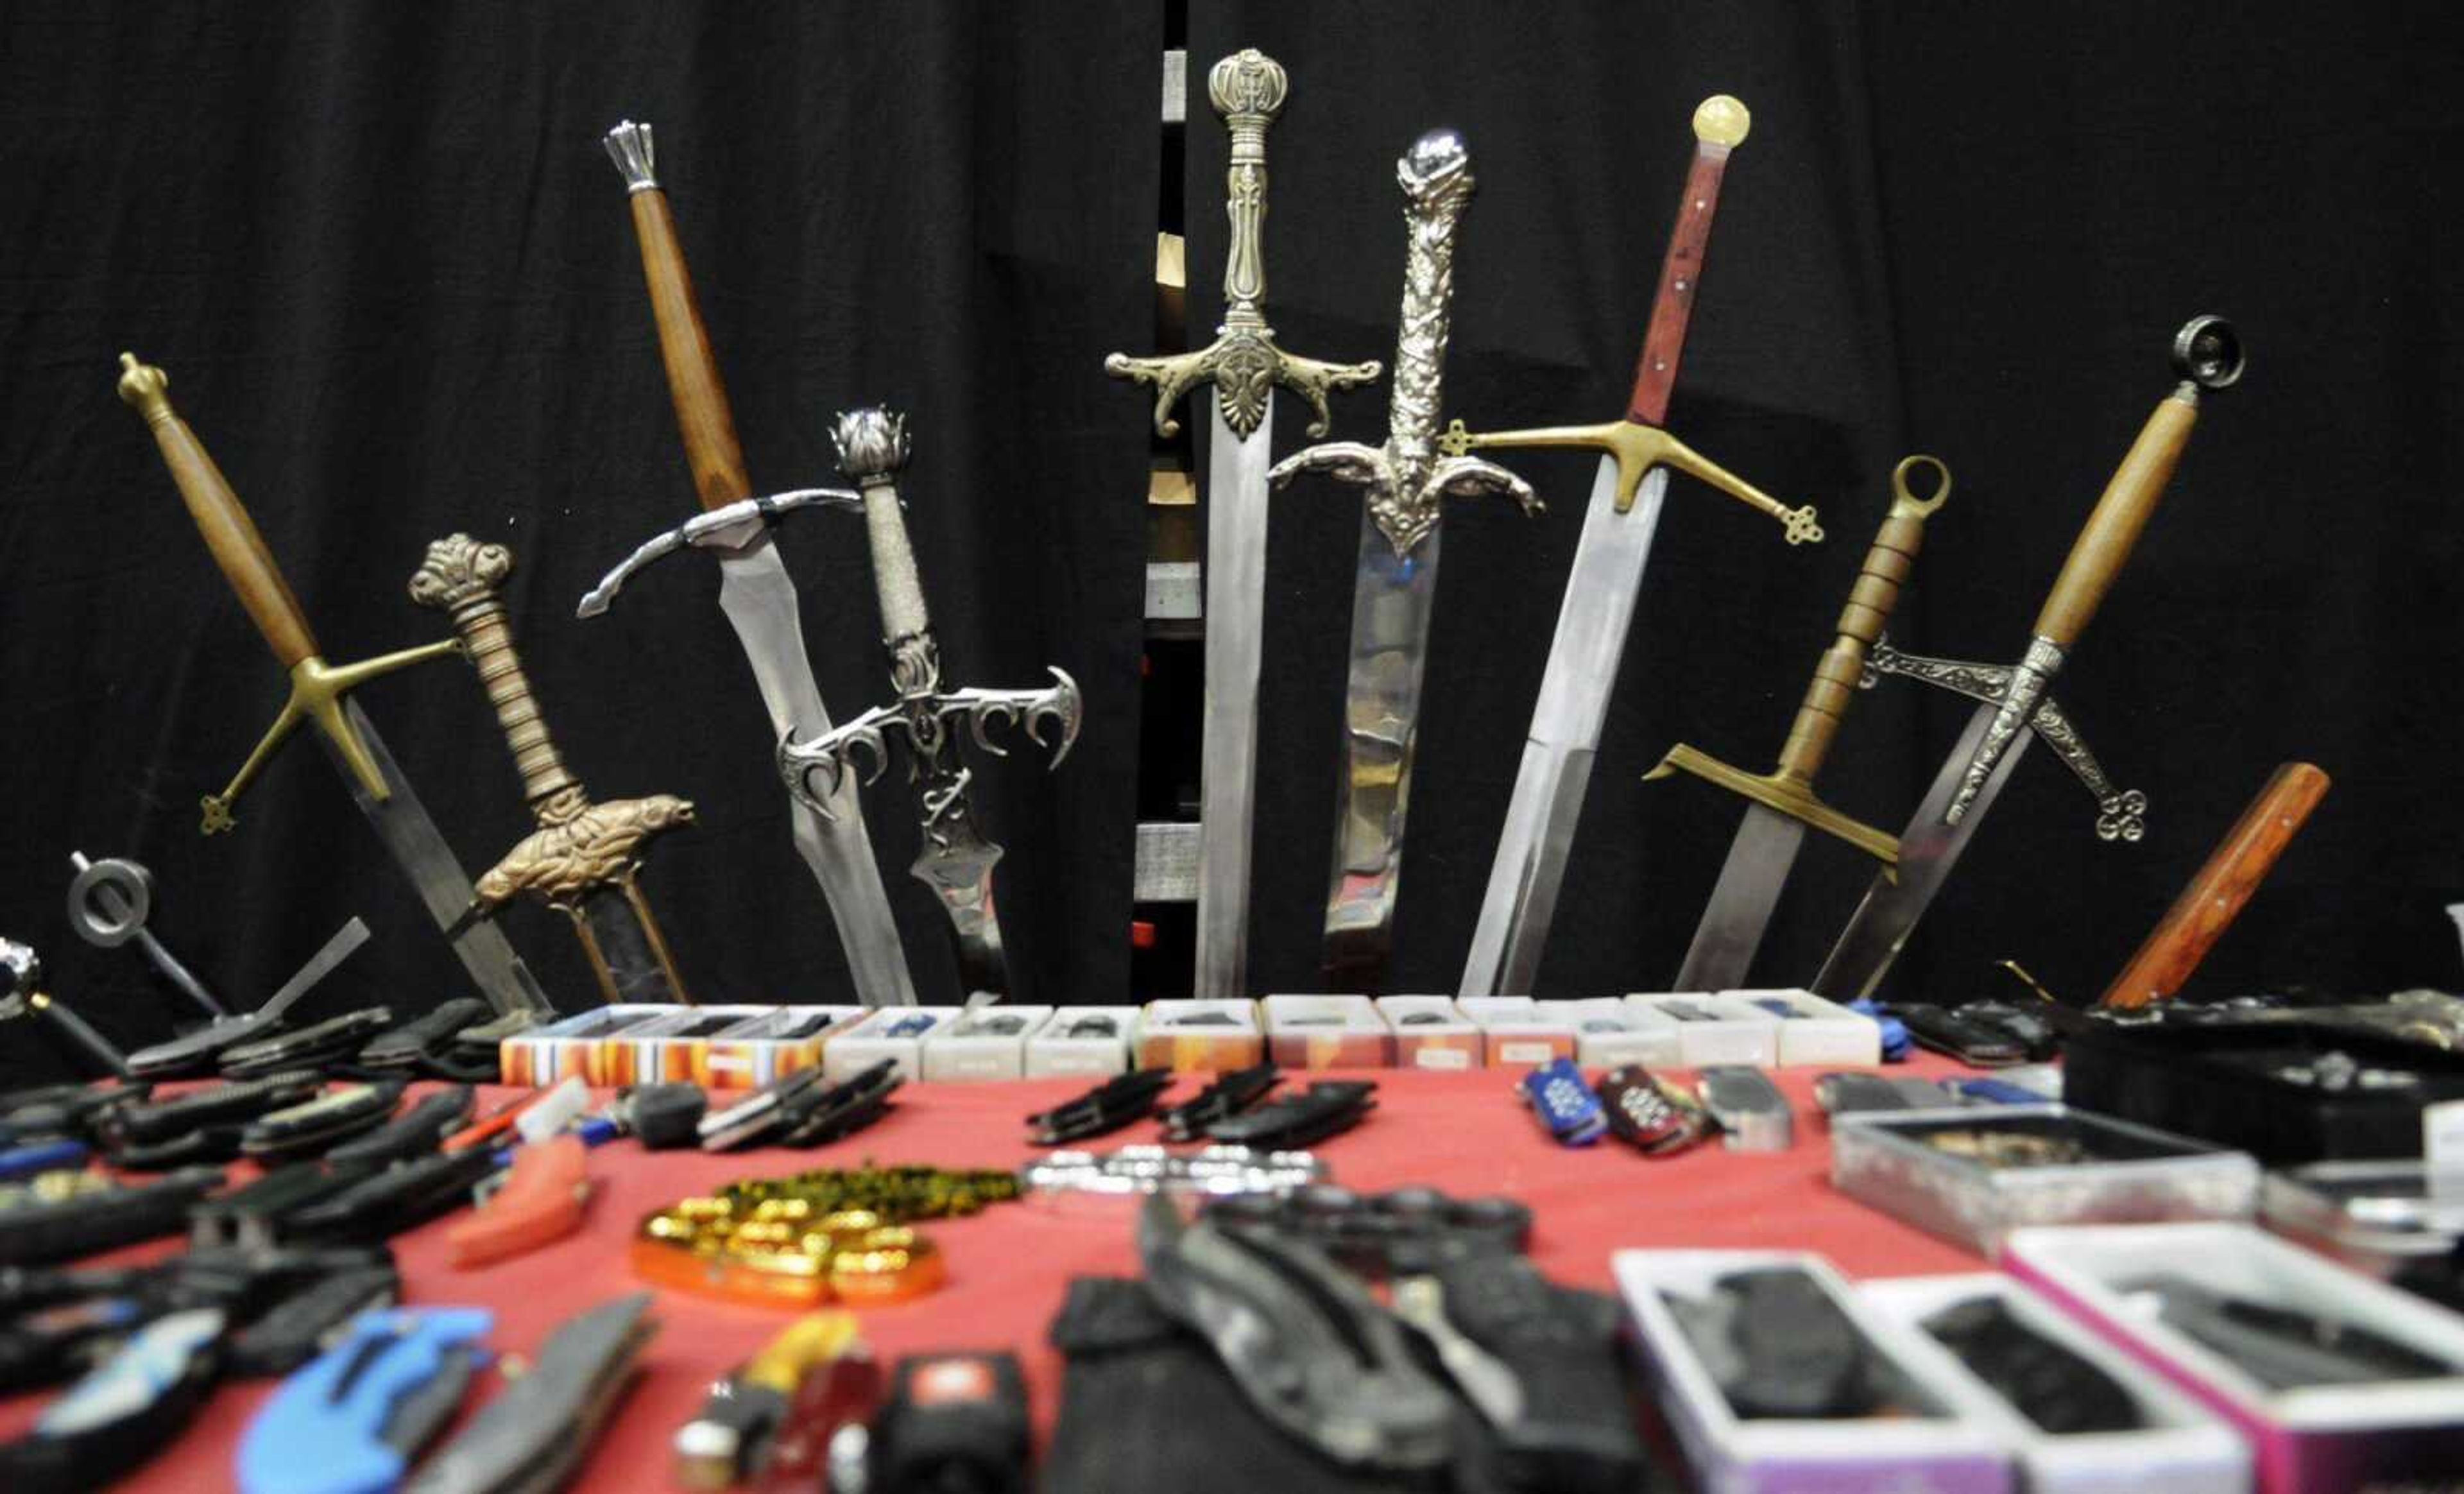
column 759, row 597
column 1929, row 848
column 957, row 863
column 615, row 924
column 1742, row 900
column 1391, row 600
column 1566, row 721
column 1236, row 605
column 419, row 848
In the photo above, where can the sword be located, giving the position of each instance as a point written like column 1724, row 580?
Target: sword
column 755, row 591
column 1406, row 480
column 1784, row 800
column 583, row 859
column 321, row 698
column 21, row 973
column 2207, row 353
column 956, row 861
column 1567, row 718
column 1245, row 366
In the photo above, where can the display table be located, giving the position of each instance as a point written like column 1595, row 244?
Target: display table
column 1007, row 1266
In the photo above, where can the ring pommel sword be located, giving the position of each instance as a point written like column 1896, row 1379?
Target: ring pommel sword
column 1784, row 802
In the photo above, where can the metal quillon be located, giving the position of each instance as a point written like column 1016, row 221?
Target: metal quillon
column 1406, row 479
column 321, row 697
column 2206, row 355
column 1245, row 365
column 1571, row 709
column 756, row 593
column 583, row 858
column 1784, row 802
column 956, row 861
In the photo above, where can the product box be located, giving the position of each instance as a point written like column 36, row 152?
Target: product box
column 1093, row 1041
column 1217, row 1034
column 1609, row 1032
column 987, row 1043
column 570, row 1047
column 2377, row 1218
column 671, row 1048
column 1327, row 1032
column 2181, row 1447
column 1930, row 1444
column 897, row 1033
column 759, row 1052
column 1812, row 1031
column 2304, row 1438
column 1523, row 1033
column 1432, row 1032
column 1710, row 1031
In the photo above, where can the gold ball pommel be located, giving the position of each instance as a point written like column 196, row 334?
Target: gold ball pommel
column 1722, row 121
column 144, row 389
column 1249, row 87
column 873, row 444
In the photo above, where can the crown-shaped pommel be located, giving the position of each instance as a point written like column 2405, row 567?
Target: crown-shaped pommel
column 144, row 389
column 873, row 444
column 630, row 146
column 1249, row 87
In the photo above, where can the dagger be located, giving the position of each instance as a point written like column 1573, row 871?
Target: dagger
column 1245, row 366
column 1396, row 583
column 1567, row 718
column 583, row 859
column 956, row 861
column 1783, row 801
column 2206, row 355
column 321, row 698
column 754, row 590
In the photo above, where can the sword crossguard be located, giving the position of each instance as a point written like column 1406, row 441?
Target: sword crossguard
column 1788, row 793
column 728, row 528
column 317, row 695
column 1638, row 449
column 925, row 723
column 1245, row 366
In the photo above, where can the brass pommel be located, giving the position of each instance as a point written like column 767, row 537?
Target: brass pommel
column 1722, row 121
column 873, row 444
column 1249, row 87
column 145, row 390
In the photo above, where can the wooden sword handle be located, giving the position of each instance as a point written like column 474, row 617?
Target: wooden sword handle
column 2207, row 354
column 1719, row 125
column 231, row 534
column 2213, row 898
column 1885, row 569
column 702, row 414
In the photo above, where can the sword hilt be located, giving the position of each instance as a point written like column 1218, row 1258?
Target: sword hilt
column 1719, row 126
column 702, row 414
column 1638, row 449
column 1243, row 363
column 1870, row 600
column 1785, row 793
column 459, row 577
column 873, row 446
column 240, row 552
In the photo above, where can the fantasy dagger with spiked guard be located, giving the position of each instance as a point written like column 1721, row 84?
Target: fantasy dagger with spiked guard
column 956, row 861
column 321, row 698
column 1567, row 718
column 1248, row 89
column 1783, row 801
column 754, row 590
column 2206, row 355
column 583, row 859
column 1407, row 480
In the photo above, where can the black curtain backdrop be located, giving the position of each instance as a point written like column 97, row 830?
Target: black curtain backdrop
column 393, row 280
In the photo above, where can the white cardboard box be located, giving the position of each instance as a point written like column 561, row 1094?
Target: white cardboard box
column 1523, row 1033
column 1168, row 1038
column 1720, row 1035
column 1314, row 1032
column 1819, row 1032
column 759, row 1052
column 870, row 1041
column 1643, row 1035
column 954, row 1053
column 1943, row 1452
column 1441, row 1038
column 2184, row 1449
column 1052, row 1052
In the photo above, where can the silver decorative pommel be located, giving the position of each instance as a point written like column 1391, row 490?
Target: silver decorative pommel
column 1437, row 169
column 873, row 444
column 628, row 145
column 1248, row 87
column 21, row 968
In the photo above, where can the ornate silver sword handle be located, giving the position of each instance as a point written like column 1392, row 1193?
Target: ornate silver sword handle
column 1248, row 89
column 830, row 755
column 2120, row 813
column 1407, row 478
column 873, row 447
column 726, row 528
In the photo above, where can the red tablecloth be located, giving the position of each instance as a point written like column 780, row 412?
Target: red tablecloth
column 1007, row 1266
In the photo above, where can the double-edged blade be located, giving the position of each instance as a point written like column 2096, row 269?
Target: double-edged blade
column 1742, row 900
column 1236, row 608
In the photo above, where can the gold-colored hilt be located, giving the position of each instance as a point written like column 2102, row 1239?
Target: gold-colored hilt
column 459, row 577
column 1788, row 793
column 317, row 693
column 1638, row 449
